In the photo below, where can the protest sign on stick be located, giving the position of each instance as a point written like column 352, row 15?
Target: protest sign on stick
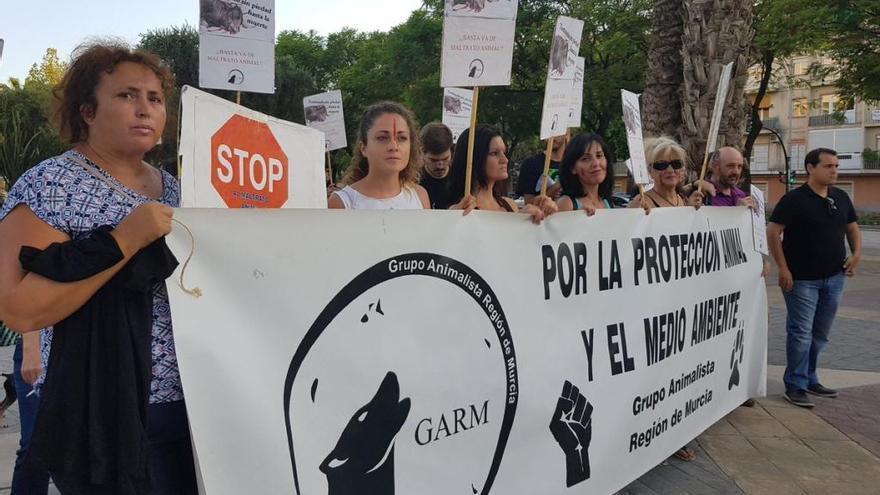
column 457, row 106
column 234, row 157
column 477, row 51
column 324, row 112
column 237, row 46
column 632, row 120
column 577, row 94
column 720, row 97
column 759, row 223
column 561, row 73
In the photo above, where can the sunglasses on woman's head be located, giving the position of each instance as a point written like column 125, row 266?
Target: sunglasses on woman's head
column 663, row 165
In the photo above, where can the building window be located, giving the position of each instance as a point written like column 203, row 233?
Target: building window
column 801, row 68
column 800, row 108
column 760, row 157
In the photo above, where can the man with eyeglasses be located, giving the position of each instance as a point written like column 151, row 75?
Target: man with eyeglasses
column 436, row 142
column 813, row 266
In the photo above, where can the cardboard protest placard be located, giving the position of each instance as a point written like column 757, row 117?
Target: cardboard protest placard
column 565, row 48
column 491, row 9
column 632, row 119
column 234, row 157
column 324, row 113
column 561, row 71
column 577, row 94
column 759, row 223
column 1, row 48
column 720, row 98
column 457, row 110
column 237, row 45
column 478, row 43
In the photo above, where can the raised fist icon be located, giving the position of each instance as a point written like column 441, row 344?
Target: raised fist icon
column 572, row 428
column 363, row 459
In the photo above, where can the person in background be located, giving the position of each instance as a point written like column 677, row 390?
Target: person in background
column 488, row 177
column 384, row 172
column 531, row 172
column 436, row 142
column 806, row 238
column 586, row 182
column 87, row 216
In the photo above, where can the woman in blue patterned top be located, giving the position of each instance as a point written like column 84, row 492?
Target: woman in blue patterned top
column 111, row 107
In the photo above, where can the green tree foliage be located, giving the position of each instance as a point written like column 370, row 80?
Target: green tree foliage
column 48, row 72
column 26, row 138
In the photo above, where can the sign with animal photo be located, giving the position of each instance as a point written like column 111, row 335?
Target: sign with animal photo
column 577, row 94
column 477, row 50
column 324, row 113
column 237, row 45
column 565, row 48
column 759, row 221
column 234, row 157
column 486, row 9
column 417, row 364
column 457, row 110
column 632, row 120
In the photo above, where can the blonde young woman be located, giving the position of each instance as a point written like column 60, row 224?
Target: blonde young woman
column 667, row 164
column 384, row 173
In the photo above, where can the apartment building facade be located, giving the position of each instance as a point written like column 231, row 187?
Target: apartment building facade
column 802, row 110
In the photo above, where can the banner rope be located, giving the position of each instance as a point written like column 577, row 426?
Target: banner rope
column 195, row 291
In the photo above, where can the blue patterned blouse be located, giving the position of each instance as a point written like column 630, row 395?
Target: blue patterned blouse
column 65, row 196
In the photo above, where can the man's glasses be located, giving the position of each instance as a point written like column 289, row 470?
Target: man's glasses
column 831, row 206
column 663, row 165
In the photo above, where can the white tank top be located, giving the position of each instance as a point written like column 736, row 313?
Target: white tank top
column 408, row 199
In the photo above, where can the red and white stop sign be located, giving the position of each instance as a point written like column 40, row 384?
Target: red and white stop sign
column 248, row 167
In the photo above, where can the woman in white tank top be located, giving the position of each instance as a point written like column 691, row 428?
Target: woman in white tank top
column 384, row 172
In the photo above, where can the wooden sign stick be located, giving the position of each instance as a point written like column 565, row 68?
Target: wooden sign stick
column 470, row 149
column 546, row 166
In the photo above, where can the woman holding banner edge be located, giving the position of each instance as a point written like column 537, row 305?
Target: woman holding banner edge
column 384, row 173
column 90, row 216
column 667, row 162
column 489, row 172
column 586, row 183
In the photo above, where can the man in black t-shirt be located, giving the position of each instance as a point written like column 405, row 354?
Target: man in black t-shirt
column 437, row 144
column 813, row 265
column 531, row 170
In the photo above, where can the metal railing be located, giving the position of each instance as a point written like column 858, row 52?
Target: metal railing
column 832, row 120
column 871, row 163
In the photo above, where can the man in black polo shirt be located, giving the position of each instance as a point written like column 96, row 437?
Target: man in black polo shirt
column 813, row 265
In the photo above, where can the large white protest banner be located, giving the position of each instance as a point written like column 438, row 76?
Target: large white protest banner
column 477, row 43
column 234, row 157
column 572, row 359
column 632, row 120
column 576, row 104
column 457, row 110
column 561, row 72
column 324, row 112
column 237, row 45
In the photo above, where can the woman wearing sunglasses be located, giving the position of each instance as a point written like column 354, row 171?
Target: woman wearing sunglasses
column 666, row 164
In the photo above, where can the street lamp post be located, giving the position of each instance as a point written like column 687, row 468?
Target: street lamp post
column 787, row 158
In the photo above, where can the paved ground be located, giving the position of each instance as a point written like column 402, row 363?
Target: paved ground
column 773, row 448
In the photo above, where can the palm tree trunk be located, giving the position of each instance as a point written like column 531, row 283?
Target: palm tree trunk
column 661, row 100
column 716, row 32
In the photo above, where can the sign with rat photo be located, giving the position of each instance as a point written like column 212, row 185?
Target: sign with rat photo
column 632, row 120
column 478, row 37
column 457, row 110
column 417, row 364
column 237, row 45
column 562, row 71
column 324, row 113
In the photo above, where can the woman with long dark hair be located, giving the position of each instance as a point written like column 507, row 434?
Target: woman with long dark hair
column 488, row 177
